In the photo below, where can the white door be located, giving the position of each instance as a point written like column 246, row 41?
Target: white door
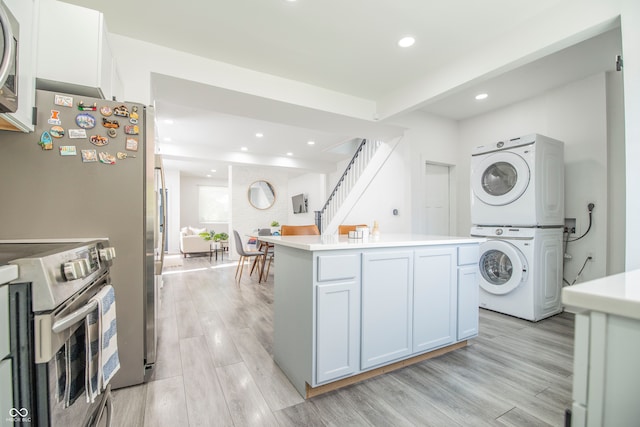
column 437, row 199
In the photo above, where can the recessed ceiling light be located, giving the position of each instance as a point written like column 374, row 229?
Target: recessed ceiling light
column 259, row 135
column 289, row 153
column 244, row 148
column 311, row 142
column 406, row 41
column 481, row 96
column 208, row 176
column 213, row 170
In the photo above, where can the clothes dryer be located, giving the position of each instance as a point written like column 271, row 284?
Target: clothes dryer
column 518, row 182
column 521, row 271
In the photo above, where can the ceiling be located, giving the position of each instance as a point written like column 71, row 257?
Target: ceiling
column 345, row 46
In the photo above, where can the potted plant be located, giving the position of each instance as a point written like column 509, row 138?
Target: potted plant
column 215, row 237
column 275, row 227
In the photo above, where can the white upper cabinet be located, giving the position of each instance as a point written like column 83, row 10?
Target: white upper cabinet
column 74, row 54
column 25, row 12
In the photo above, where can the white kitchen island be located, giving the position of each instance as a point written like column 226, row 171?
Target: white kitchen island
column 606, row 364
column 346, row 310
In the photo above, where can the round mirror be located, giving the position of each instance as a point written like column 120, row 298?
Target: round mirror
column 261, row 195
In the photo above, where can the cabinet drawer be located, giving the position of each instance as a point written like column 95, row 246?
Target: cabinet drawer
column 338, row 267
column 468, row 254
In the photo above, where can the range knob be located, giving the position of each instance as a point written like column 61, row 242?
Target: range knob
column 76, row 269
column 107, row 254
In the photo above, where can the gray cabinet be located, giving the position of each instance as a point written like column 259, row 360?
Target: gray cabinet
column 434, row 298
column 387, row 306
column 337, row 330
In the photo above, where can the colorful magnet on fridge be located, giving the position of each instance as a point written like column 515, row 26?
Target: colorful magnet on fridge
column 122, row 156
column 89, row 156
column 131, row 144
column 68, row 150
column 77, row 133
column 106, row 158
column 131, row 129
column 110, row 124
column 99, row 141
column 45, row 141
column 54, row 118
column 83, row 107
column 63, row 100
column 133, row 117
column 112, row 133
column 121, row 111
column 85, row 121
column 106, row 111
column 57, row 132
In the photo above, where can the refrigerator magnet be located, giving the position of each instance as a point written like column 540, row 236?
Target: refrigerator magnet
column 68, row 150
column 133, row 117
column 121, row 156
column 63, row 101
column 98, row 141
column 121, row 111
column 54, row 118
column 77, row 133
column 131, row 130
column 131, row 144
column 57, row 131
column 107, row 158
column 85, row 121
column 112, row 133
column 89, row 156
column 110, row 124
column 106, row 111
column 83, row 107
column 45, row 141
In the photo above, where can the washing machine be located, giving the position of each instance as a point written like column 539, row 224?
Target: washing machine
column 521, row 270
column 518, row 182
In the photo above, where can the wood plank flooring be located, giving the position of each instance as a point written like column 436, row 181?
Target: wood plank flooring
column 215, row 368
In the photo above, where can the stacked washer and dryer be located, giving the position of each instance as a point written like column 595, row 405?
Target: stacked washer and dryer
column 517, row 204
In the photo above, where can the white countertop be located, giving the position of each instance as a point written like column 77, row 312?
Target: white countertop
column 618, row 294
column 335, row 242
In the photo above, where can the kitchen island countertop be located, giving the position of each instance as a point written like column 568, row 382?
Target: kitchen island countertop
column 336, row 242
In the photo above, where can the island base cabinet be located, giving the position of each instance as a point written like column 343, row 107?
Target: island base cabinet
column 337, row 330
column 434, row 298
column 468, row 300
column 387, row 288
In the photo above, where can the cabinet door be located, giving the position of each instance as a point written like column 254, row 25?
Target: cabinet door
column 387, row 293
column 434, row 298
column 468, row 289
column 337, row 330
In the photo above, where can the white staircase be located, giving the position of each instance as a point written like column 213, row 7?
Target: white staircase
column 365, row 164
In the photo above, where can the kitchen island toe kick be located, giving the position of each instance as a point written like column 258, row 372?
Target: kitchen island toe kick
column 348, row 310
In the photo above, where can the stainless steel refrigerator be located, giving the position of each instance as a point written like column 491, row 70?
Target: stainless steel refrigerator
column 87, row 171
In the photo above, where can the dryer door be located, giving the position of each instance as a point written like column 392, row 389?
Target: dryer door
column 502, row 267
column 500, row 178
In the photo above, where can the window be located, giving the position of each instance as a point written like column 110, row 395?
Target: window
column 213, row 204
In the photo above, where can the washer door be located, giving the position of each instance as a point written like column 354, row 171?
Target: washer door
column 500, row 178
column 502, row 267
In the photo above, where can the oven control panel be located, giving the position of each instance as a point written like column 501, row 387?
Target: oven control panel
column 83, row 264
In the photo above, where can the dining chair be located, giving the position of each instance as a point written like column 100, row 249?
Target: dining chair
column 245, row 255
column 345, row 229
column 299, row 230
column 267, row 251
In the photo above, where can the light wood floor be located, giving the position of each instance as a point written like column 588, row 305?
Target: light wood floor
column 215, row 368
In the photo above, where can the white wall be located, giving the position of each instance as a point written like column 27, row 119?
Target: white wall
column 244, row 217
column 172, row 182
column 576, row 115
column 313, row 186
column 189, row 204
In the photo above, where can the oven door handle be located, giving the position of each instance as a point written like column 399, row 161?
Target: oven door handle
column 68, row 321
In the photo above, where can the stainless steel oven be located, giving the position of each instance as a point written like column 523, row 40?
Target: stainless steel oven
column 48, row 305
column 9, row 38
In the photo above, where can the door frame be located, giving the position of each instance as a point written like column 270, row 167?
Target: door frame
column 421, row 209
